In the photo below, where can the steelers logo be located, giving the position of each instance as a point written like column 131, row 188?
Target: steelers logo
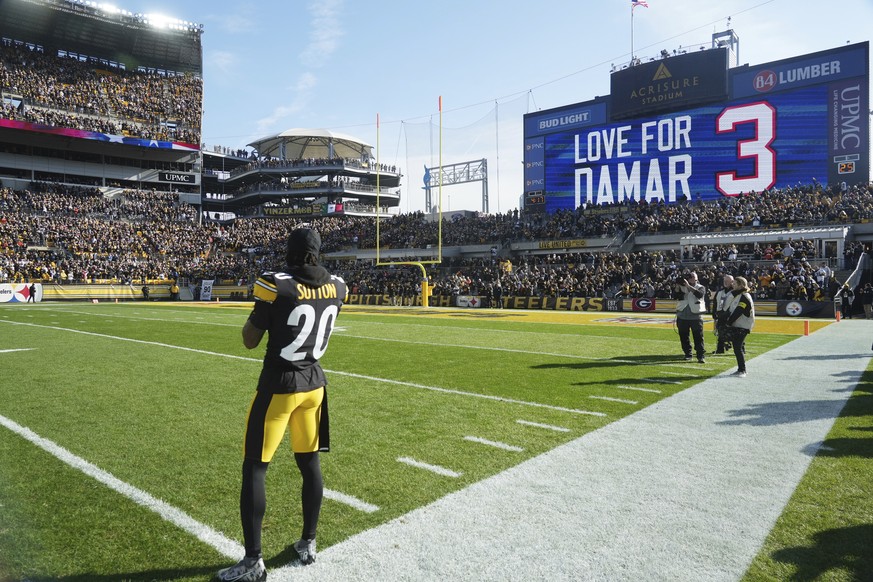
column 793, row 309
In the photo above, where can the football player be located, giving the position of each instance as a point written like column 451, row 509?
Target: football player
column 297, row 309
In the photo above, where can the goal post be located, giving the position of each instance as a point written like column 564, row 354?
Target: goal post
column 426, row 287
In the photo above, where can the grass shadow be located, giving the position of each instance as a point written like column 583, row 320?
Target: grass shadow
column 774, row 413
column 204, row 573
column 829, row 357
column 843, row 447
column 650, row 360
column 846, row 548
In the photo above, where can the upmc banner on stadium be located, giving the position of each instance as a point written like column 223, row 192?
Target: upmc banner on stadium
column 19, row 293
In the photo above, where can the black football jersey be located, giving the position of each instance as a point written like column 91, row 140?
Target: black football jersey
column 298, row 311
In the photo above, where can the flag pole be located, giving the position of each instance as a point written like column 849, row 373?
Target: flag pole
column 632, row 34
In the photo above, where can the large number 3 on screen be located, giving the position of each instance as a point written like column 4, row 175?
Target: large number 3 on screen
column 763, row 115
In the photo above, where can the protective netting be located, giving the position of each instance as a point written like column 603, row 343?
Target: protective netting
column 492, row 132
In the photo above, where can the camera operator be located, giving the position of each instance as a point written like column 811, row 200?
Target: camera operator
column 689, row 314
column 720, row 313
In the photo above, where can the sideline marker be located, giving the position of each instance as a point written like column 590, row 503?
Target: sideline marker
column 806, row 327
column 838, row 316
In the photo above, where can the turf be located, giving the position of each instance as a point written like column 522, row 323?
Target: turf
column 403, row 383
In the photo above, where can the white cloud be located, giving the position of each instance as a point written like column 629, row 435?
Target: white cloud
column 225, row 62
column 325, row 33
column 300, row 93
column 238, row 22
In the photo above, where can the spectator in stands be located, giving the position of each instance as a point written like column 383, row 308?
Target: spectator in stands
column 861, row 275
column 867, row 300
column 848, row 303
column 497, row 295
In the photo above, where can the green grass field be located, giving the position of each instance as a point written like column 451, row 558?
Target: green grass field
column 155, row 395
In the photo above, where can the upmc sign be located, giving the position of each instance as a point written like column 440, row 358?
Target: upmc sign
column 177, row 177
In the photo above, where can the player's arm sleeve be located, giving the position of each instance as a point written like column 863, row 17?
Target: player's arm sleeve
column 265, row 291
column 251, row 334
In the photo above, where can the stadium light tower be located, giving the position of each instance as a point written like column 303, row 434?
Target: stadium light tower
column 728, row 39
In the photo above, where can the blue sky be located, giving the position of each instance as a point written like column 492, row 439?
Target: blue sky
column 279, row 64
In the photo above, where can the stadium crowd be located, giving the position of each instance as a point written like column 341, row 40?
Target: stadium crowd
column 68, row 234
column 68, row 92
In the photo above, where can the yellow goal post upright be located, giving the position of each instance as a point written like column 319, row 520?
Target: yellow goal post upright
column 426, row 287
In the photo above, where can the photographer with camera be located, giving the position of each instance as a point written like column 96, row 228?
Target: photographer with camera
column 720, row 313
column 689, row 314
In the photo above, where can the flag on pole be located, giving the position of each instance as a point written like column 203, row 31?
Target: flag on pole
column 635, row 3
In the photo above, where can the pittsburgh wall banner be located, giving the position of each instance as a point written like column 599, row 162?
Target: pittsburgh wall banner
column 293, row 210
column 799, row 309
column 562, row 244
column 19, row 293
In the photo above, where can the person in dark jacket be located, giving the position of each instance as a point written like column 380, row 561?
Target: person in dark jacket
column 740, row 321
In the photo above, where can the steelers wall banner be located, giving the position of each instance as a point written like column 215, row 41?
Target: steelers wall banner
column 19, row 293
column 469, row 301
column 805, row 308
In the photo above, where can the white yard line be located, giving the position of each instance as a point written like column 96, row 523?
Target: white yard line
column 659, row 381
column 202, row 532
column 652, row 390
column 545, row 426
column 428, row 467
column 495, row 444
column 471, row 394
column 350, row 501
column 611, row 399
column 339, row 373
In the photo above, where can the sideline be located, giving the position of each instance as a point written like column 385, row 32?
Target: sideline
column 685, row 489
column 202, row 532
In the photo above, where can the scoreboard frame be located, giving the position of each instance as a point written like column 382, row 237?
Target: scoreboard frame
column 792, row 122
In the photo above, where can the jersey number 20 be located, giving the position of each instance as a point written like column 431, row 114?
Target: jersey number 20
column 305, row 319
